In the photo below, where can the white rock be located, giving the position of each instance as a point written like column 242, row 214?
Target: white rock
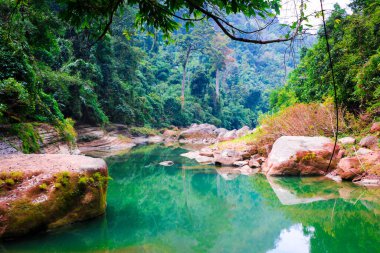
column 347, row 140
column 287, row 146
column 363, row 151
column 191, row 154
column 240, row 163
column 204, row 159
column 283, row 160
column 166, row 163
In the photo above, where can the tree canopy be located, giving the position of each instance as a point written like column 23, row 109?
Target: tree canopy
column 94, row 18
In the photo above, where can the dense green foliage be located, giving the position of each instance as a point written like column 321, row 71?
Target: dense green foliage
column 355, row 41
column 50, row 71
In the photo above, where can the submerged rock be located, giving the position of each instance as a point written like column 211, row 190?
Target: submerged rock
column 300, row 156
column 167, row 163
column 40, row 192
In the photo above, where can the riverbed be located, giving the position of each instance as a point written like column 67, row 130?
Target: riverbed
column 189, row 207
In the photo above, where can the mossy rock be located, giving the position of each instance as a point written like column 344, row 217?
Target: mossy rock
column 72, row 189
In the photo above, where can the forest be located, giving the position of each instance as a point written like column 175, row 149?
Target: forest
column 355, row 40
column 51, row 74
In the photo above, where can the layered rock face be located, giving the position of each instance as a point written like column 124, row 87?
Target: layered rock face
column 50, row 141
column 43, row 191
column 96, row 142
column 300, row 156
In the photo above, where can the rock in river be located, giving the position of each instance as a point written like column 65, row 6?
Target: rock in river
column 40, row 192
column 166, row 163
column 227, row 158
column 300, row 155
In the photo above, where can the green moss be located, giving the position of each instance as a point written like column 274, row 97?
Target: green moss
column 29, row 137
column 9, row 182
column 62, row 179
column 17, row 175
column 96, row 180
column 67, row 131
column 43, row 187
column 309, row 156
column 100, row 180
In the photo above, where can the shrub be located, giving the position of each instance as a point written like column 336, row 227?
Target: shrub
column 28, row 135
column 16, row 102
column 145, row 131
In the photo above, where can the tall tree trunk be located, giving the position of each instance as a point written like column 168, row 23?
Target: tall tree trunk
column 184, row 77
column 217, row 88
column 154, row 41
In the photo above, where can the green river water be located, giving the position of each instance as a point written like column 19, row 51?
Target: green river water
column 193, row 208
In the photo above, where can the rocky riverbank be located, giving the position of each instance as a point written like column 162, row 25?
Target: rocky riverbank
column 298, row 156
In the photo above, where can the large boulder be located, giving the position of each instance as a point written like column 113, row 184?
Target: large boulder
column 40, row 192
column 369, row 141
column 353, row 168
column 227, row 136
column 300, row 156
column 242, row 131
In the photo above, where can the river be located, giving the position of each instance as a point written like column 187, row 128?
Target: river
column 194, row 208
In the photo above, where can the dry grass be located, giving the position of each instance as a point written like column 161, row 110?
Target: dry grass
column 298, row 120
column 303, row 120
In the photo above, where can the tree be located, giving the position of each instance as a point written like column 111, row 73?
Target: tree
column 95, row 18
column 191, row 42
